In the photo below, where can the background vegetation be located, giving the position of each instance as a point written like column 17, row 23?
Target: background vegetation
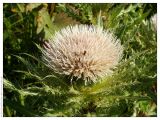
column 32, row 89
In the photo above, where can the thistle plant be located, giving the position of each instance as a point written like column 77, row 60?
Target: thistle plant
column 83, row 51
column 45, row 51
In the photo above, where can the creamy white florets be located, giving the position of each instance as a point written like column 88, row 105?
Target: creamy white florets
column 154, row 21
column 83, row 51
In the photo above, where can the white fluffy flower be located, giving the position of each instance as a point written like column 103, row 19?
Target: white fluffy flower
column 84, row 52
column 154, row 21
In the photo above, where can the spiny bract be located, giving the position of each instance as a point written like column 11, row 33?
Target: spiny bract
column 83, row 51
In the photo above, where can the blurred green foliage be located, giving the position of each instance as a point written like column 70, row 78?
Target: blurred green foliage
column 32, row 89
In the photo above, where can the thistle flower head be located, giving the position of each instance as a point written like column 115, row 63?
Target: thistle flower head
column 82, row 51
column 154, row 21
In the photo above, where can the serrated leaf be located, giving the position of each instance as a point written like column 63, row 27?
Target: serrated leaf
column 45, row 23
column 10, row 86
